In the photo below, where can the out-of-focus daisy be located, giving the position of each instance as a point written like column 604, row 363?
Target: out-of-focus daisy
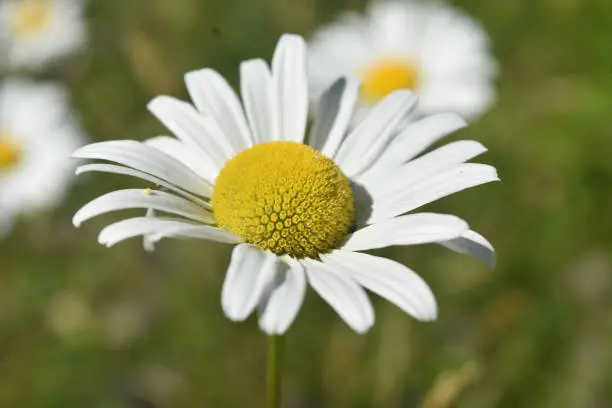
column 429, row 47
column 37, row 137
column 35, row 32
column 297, row 212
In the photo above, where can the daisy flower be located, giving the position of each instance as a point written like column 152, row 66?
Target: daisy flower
column 35, row 32
column 34, row 168
column 299, row 213
column 429, row 47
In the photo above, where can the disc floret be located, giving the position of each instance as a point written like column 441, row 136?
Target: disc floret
column 284, row 197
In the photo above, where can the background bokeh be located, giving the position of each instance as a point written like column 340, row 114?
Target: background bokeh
column 85, row 326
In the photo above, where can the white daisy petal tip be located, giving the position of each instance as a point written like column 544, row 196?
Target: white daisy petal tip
column 411, row 229
column 432, row 314
column 495, row 174
column 473, row 244
column 103, row 240
column 89, row 150
column 343, row 293
column 388, row 279
column 77, row 155
column 194, row 76
column 291, row 40
column 459, row 121
column 159, row 103
column 282, row 304
column 77, row 221
column 450, row 120
column 163, row 227
column 249, row 274
column 146, row 199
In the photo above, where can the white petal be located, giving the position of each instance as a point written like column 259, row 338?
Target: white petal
column 249, row 273
column 454, row 32
column 474, row 244
column 389, row 279
column 149, row 160
column 285, row 300
column 428, row 165
column 397, row 26
column 291, row 87
column 198, row 132
column 334, row 114
column 415, row 138
column 213, row 96
column 126, row 171
column 342, row 293
column 161, row 228
column 413, row 229
column 140, row 198
column 205, row 232
column 468, row 97
column 259, row 100
column 148, row 243
column 426, row 191
column 179, row 150
column 365, row 144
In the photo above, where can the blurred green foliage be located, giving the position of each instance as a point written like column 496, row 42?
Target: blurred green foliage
column 84, row 326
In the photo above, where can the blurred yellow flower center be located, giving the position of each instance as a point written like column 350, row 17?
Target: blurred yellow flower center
column 9, row 152
column 29, row 17
column 387, row 75
column 284, row 197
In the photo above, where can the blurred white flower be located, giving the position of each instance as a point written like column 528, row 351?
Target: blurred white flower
column 36, row 32
column 427, row 46
column 299, row 213
column 37, row 136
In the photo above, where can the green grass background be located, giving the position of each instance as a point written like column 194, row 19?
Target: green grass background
column 85, row 326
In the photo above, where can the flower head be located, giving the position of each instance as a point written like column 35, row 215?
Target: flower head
column 429, row 47
column 242, row 173
column 34, row 167
column 35, row 32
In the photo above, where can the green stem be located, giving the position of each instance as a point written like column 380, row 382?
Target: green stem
column 275, row 345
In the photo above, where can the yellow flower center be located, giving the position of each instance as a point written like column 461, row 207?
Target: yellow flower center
column 385, row 76
column 9, row 153
column 284, row 197
column 29, row 17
